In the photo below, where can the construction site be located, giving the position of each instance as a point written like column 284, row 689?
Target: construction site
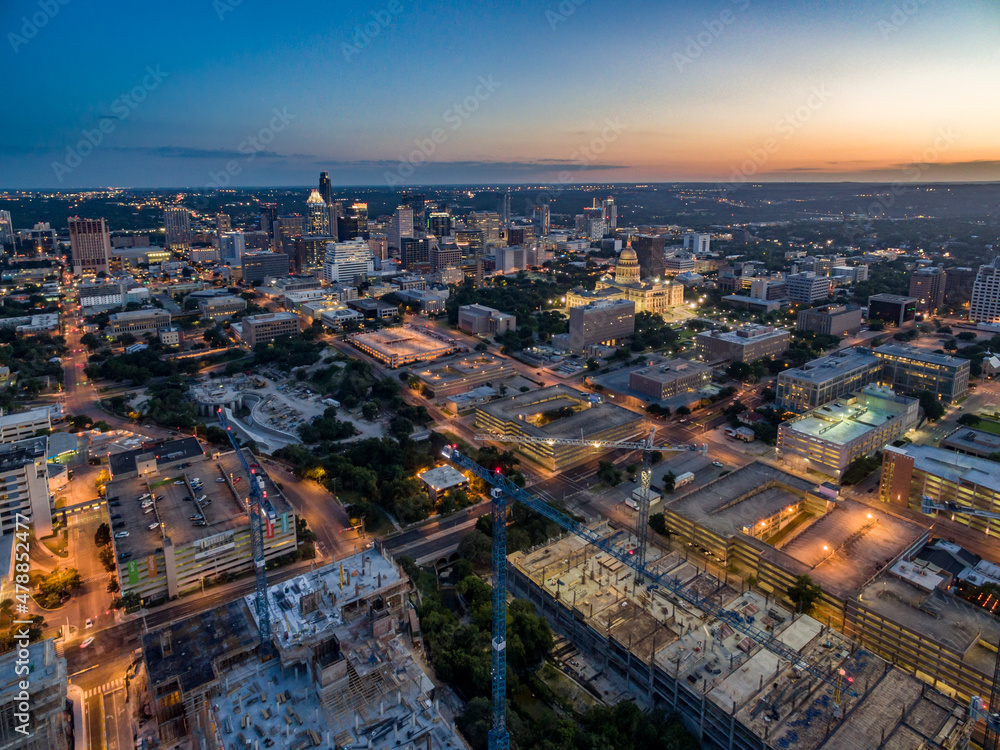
column 664, row 651
column 343, row 672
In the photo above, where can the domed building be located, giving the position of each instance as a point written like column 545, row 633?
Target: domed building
column 627, row 270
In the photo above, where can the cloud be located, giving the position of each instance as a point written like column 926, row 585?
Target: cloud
column 188, row 152
column 541, row 165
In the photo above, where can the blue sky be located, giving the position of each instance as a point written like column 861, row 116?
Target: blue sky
column 495, row 92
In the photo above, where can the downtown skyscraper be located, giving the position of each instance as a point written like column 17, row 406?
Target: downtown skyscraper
column 90, row 245
column 177, row 227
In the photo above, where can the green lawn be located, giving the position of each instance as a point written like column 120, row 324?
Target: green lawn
column 988, row 425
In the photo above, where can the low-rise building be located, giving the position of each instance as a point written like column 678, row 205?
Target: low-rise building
column 606, row 322
column 203, row 534
column 831, row 320
column 257, row 329
column 911, row 370
column 457, row 374
column 893, row 309
column 221, row 308
column 822, row 380
column 171, row 336
column 151, row 320
column 373, row 309
column 746, row 344
column 670, row 377
column 404, row 345
column 24, row 424
column 828, row 438
column 558, row 411
column 479, row 319
column 972, row 442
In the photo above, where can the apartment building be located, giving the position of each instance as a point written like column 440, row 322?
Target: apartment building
column 25, row 480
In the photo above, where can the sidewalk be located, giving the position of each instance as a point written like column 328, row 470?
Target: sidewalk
column 75, row 694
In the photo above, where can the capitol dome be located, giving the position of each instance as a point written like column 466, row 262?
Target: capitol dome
column 627, row 269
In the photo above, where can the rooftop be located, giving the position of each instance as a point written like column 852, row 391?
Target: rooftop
column 671, row 369
column 742, row 498
column 443, row 477
column 270, row 318
column 954, row 467
column 15, row 455
column 847, row 419
column 166, row 451
column 834, row 365
column 966, row 438
column 587, row 418
column 902, row 298
column 743, row 334
column 921, row 355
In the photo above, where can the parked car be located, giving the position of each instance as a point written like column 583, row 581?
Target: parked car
column 121, row 535
column 124, row 555
column 153, row 526
column 220, row 480
column 89, row 623
column 115, row 516
column 87, row 642
column 147, row 511
column 114, row 504
column 179, row 481
column 201, row 523
column 718, row 464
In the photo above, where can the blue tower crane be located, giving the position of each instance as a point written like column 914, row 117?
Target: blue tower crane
column 502, row 489
column 257, row 505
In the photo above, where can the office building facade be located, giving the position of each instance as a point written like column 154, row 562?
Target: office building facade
column 806, row 288
column 927, row 285
column 345, row 262
column 479, row 319
column 830, row 320
column 257, row 266
column 605, row 322
column 90, row 245
column 138, row 322
column 177, row 227
column 232, row 247
column 745, row 344
column 892, row 309
column 822, row 380
column 910, row 370
column 984, row 304
column 649, row 251
column 24, row 477
column 261, row 329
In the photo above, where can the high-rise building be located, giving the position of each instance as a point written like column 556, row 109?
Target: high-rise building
column 317, row 215
column 593, row 223
column 543, row 218
column 346, row 261
column 310, row 251
column 223, row 223
column 360, row 212
column 649, row 250
column 268, row 215
column 336, row 212
column 418, row 204
column 487, row 222
column 927, row 285
column 177, row 227
column 232, row 248
column 257, row 266
column 33, row 682
column 697, row 243
column 379, row 244
column 414, row 251
column 984, row 307
column 444, row 255
column 958, row 285
column 6, row 230
column 286, row 229
column 325, row 190
column 25, row 480
column 439, row 223
column 90, row 244
column 609, row 212
column 400, row 227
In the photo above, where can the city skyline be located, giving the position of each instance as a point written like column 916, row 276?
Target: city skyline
column 389, row 94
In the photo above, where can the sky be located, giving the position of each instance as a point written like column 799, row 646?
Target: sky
column 245, row 93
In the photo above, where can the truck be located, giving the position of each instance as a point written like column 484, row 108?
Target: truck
column 633, row 501
column 681, row 479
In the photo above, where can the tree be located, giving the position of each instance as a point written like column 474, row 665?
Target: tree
column 529, row 639
column 658, row 523
column 91, row 341
column 668, row 481
column 401, row 428
column 114, row 587
column 609, row 474
column 804, row 594
column 107, row 558
column 476, row 548
column 970, row 420
column 682, row 411
column 102, row 537
column 370, row 411
column 931, row 405
column 738, row 371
